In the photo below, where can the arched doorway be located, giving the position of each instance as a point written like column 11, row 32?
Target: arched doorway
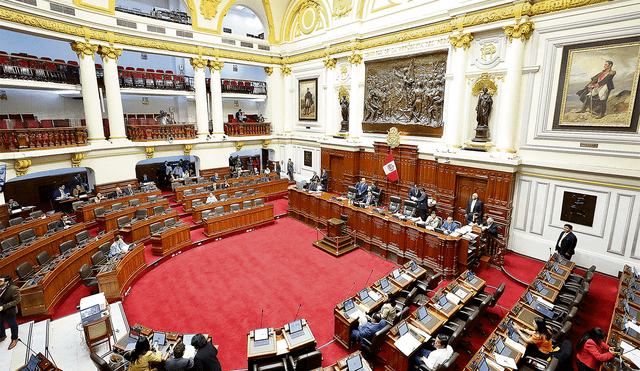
column 154, row 167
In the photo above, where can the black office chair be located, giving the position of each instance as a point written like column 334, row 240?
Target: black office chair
column 152, row 198
column 24, row 271
column 66, row 246
column 251, row 191
column 155, row 227
column 200, row 190
column 43, row 258
column 307, row 361
column 158, row 210
column 102, row 365
column 99, row 211
column 376, row 196
column 280, row 365
column 141, row 214
column 352, row 192
column 105, row 248
column 405, row 297
column 134, row 202
column 27, row 236
column 15, row 221
column 372, row 347
column 494, row 299
column 409, row 209
column 238, row 194
column 224, row 197
column 38, row 213
column 246, row 204
column 98, row 259
column 123, row 221
column 187, row 192
column 447, row 365
column 234, row 207
column 219, row 210
column 82, row 237
column 169, row 223
column 9, row 244
column 201, row 180
column 395, row 204
column 117, row 206
column 258, row 202
column 196, row 203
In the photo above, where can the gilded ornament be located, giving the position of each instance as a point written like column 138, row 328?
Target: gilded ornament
column 216, row 65
column 342, row 8
column 286, row 70
column 343, row 91
column 268, row 70
column 198, row 63
column 83, row 49
column 355, row 59
column 209, row 8
column 22, row 166
column 149, row 151
column 239, row 145
column 462, row 41
column 187, row 149
column 107, row 52
column 393, row 137
column 265, row 143
column 485, row 80
column 330, row 63
column 520, row 31
column 76, row 158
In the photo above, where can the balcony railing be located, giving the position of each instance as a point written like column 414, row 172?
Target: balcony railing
column 247, row 129
column 150, row 79
column 22, row 67
column 14, row 140
column 242, row 86
column 147, row 133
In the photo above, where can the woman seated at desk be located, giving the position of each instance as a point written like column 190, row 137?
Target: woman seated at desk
column 540, row 336
column 78, row 190
column 99, row 197
column 142, row 355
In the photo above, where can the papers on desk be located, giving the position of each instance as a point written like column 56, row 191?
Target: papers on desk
column 544, row 302
column 633, row 326
column 470, row 236
column 407, row 344
column 281, row 346
column 406, row 276
column 415, row 219
column 453, row 298
column 454, row 234
column 189, row 351
column 461, row 293
column 505, row 361
column 464, row 229
column 517, row 346
column 494, row 365
column 630, row 352
column 374, row 295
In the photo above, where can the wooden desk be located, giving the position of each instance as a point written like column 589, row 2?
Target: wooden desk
column 115, row 281
column 342, row 324
column 179, row 191
column 139, row 230
column 392, row 239
column 109, row 221
column 57, row 279
column 38, row 225
column 300, row 341
column 196, row 212
column 29, row 253
column 396, row 359
column 171, row 240
column 263, row 352
column 556, row 282
column 86, row 215
column 269, row 189
column 218, row 226
column 341, row 364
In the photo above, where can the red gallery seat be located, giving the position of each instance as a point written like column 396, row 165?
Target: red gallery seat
column 33, row 124
column 47, row 123
column 28, row 116
column 3, row 124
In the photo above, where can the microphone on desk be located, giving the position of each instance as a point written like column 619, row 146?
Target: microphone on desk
column 367, row 281
column 354, row 283
column 294, row 318
column 261, row 315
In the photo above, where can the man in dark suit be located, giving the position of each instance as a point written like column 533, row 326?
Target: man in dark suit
column 290, row 170
column 60, row 193
column 361, row 187
column 64, row 223
column 370, row 199
column 315, row 177
column 206, row 358
column 224, row 185
column 413, row 193
column 566, row 245
column 324, row 179
column 118, row 193
column 129, row 191
column 474, row 206
column 492, row 227
column 9, row 300
column 423, row 203
column 145, row 179
column 367, row 330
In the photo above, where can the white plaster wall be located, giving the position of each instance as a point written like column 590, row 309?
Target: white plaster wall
column 43, row 104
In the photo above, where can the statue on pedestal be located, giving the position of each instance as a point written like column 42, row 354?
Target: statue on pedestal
column 344, row 105
column 483, row 110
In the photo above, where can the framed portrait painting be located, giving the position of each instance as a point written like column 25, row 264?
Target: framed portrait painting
column 308, row 98
column 598, row 87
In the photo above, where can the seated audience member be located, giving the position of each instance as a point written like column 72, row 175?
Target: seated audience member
column 118, row 193
column 492, row 227
column 78, row 190
column 367, row 329
column 361, row 189
column 99, row 197
column 540, row 336
column 267, row 171
column 388, row 312
column 474, row 219
column 214, row 186
column 225, row 185
column 432, row 358
column 64, row 222
column 118, row 247
column 177, row 363
column 177, row 173
column 206, row 358
column 314, row 177
column 433, row 220
column 449, row 226
column 186, row 174
column 260, row 118
column 141, row 357
column 215, row 177
column 240, row 116
column 145, row 179
column 255, row 171
column 211, row 199
column 129, row 191
column 313, row 186
column 13, row 205
column 592, row 350
column 60, row 193
column 370, row 199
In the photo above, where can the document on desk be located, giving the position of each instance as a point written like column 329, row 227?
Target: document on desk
column 544, row 302
column 630, row 352
column 633, row 326
column 453, row 298
column 494, row 365
column 517, row 346
column 407, row 344
column 406, row 277
column 282, row 346
column 374, row 295
column 505, row 361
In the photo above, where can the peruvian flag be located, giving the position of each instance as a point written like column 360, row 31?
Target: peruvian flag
column 390, row 168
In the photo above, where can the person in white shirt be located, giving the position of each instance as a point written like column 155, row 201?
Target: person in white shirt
column 433, row 358
column 211, row 199
column 118, row 246
column 433, row 220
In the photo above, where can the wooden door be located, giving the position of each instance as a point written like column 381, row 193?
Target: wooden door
column 465, row 187
column 335, row 175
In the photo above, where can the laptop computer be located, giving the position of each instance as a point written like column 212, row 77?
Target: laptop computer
column 384, row 285
column 261, row 337
column 512, row 333
column 414, row 267
column 90, row 314
column 422, row 313
column 365, row 298
column 548, row 278
column 482, row 365
column 160, row 338
column 295, row 329
column 471, row 278
column 355, row 363
column 32, row 365
column 541, row 289
column 349, row 307
column 444, row 303
column 537, row 306
column 500, row 348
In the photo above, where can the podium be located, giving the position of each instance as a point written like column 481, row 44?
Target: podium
column 334, row 242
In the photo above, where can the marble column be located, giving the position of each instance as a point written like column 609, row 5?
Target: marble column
column 289, row 110
column 356, row 95
column 454, row 126
column 331, row 99
column 112, row 91
column 202, row 122
column 217, row 116
column 506, row 128
column 275, row 90
column 90, row 96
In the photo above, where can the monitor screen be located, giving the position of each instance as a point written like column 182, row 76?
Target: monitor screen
column 295, row 326
column 443, row 300
column 483, row 366
column 348, row 304
column 528, row 297
column 414, row 267
column 422, row 313
column 261, row 334
column 396, row 273
column 560, row 259
column 539, row 286
column 632, row 296
column 626, row 307
column 384, row 283
column 90, row 311
column 635, row 272
column 499, row 346
column 469, row 275
column 364, row 294
column 33, row 363
column 354, row 363
column 186, row 338
column 547, row 276
column 402, row 328
column 160, row 337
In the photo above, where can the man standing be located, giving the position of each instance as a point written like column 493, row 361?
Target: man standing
column 413, row 193
column 361, row 189
column 595, row 94
column 290, row 170
column 9, row 299
column 324, row 179
column 567, row 241
column 278, row 168
column 423, row 203
column 474, row 206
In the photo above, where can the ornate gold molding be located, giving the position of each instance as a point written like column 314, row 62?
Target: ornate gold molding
column 198, row 63
column 107, row 52
column 461, row 41
column 355, row 59
column 265, row 143
column 22, row 166
column 149, row 151
column 216, row 65
column 239, row 146
column 83, row 49
column 330, row 63
column 76, row 158
column 268, row 70
column 485, row 80
column 393, row 137
column 187, row 149
column 342, row 8
column 209, row 8
column 520, row 31
column 286, row 70
column 343, row 91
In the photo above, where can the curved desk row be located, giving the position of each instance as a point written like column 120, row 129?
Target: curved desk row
column 139, row 230
column 109, row 221
column 179, row 191
column 115, row 277
column 221, row 225
column 171, row 240
column 271, row 188
column 196, row 212
column 39, row 225
column 85, row 212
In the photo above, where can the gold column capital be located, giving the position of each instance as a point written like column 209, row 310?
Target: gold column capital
column 76, row 158
column 107, row 52
column 83, row 49
column 198, row 63
column 187, row 149
column 286, row 70
column 355, row 59
column 268, row 70
column 520, row 31
column 461, row 41
column 329, row 63
column 265, row 143
column 215, row 65
column 22, row 166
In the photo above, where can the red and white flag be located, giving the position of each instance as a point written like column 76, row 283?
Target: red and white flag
column 390, row 168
